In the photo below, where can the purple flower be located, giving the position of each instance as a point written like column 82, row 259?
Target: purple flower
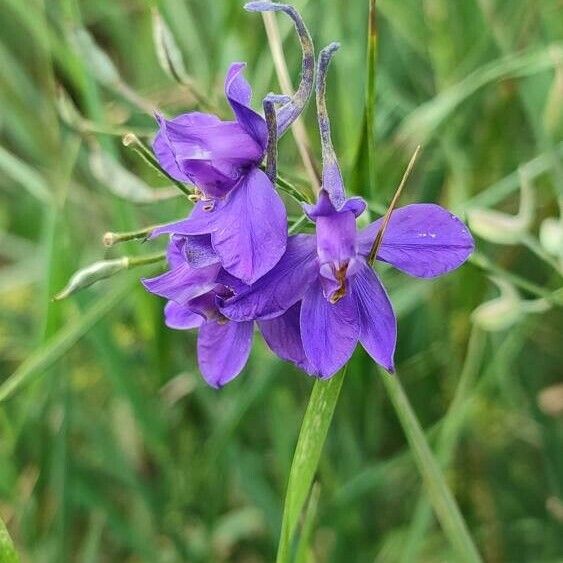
column 239, row 206
column 328, row 294
column 194, row 285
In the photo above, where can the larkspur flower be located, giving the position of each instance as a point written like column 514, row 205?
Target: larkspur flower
column 194, row 286
column 239, row 206
column 322, row 297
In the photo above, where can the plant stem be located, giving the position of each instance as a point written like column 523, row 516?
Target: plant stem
column 448, row 436
column 371, row 91
column 310, row 443
column 442, row 500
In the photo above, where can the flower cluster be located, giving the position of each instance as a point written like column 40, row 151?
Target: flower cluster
column 232, row 263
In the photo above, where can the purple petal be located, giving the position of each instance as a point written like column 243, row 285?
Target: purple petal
column 223, row 350
column 163, row 149
column 183, row 283
column 251, row 232
column 281, row 287
column 181, row 318
column 239, row 94
column 329, row 332
column 201, row 221
column 378, row 324
column 423, row 240
column 213, row 157
column 283, row 336
column 199, row 252
column 326, row 206
column 175, row 253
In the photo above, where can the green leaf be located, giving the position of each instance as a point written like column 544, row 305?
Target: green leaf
column 306, row 458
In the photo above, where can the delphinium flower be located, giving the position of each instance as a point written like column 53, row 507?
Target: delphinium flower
column 238, row 204
column 237, row 230
column 323, row 296
column 193, row 285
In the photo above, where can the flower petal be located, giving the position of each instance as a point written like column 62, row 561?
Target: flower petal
column 283, row 336
column 183, row 283
column 200, row 221
column 423, row 240
column 223, row 350
column 213, row 157
column 281, row 287
column 329, row 332
column 180, row 317
column 251, row 228
column 163, row 149
column 378, row 324
column 199, row 252
column 239, row 94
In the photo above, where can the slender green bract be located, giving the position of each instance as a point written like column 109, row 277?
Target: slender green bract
column 440, row 495
column 306, row 458
column 7, row 551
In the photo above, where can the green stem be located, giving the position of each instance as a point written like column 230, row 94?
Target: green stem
column 481, row 261
column 312, row 436
column 442, row 500
column 144, row 260
column 448, row 436
column 371, row 91
column 132, row 141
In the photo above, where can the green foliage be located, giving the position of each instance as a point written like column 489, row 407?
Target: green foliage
column 112, row 448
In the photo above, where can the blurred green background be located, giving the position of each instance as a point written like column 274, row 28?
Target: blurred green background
column 111, row 446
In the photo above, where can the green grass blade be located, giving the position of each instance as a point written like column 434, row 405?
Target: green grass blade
column 46, row 356
column 440, row 495
column 7, row 550
column 306, row 458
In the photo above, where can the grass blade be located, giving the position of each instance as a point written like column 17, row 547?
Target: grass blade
column 440, row 495
column 62, row 342
column 7, row 551
column 306, row 458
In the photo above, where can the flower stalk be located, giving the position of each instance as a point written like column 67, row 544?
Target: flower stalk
column 312, row 436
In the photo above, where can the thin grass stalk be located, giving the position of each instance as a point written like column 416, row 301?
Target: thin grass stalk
column 441, row 497
column 448, row 436
column 371, row 92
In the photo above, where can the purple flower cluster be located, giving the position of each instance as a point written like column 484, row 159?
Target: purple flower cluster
column 231, row 262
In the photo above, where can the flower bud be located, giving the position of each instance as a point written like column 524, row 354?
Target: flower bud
column 551, row 237
column 500, row 313
column 507, row 309
column 122, row 183
column 91, row 274
column 167, row 51
column 502, row 228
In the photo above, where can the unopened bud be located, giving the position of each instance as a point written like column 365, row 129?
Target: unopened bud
column 500, row 313
column 91, row 274
column 167, row 51
column 551, row 236
column 502, row 228
column 123, row 183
